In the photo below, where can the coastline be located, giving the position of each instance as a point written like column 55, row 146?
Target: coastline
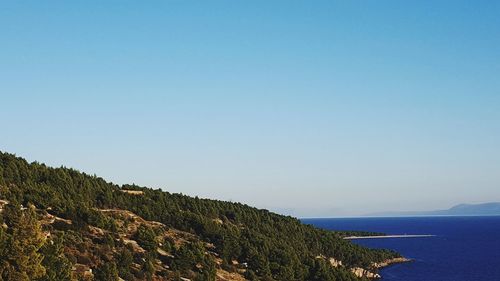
column 389, row 236
column 372, row 272
column 390, row 262
column 454, row 236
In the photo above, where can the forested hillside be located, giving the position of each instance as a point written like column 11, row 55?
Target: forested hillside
column 62, row 224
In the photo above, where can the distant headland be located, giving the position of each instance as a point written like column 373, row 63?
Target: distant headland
column 484, row 209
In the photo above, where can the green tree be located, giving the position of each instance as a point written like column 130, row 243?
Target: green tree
column 57, row 265
column 125, row 260
column 149, row 268
column 146, row 237
column 21, row 258
column 106, row 272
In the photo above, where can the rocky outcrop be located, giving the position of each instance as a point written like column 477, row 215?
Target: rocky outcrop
column 358, row 271
column 361, row 272
column 132, row 192
column 2, row 204
column 335, row 263
column 390, row 261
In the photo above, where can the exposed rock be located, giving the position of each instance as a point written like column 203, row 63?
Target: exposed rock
column 134, row 245
column 223, row 275
column 96, row 231
column 83, row 270
column 335, row 263
column 163, row 253
column 133, row 192
column 361, row 272
column 47, row 218
column 2, row 204
column 390, row 261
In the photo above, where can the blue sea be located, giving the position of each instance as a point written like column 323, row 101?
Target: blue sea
column 464, row 248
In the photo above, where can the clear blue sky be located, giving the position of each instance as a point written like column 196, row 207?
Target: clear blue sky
column 310, row 108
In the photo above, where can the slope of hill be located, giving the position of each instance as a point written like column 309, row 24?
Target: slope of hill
column 77, row 226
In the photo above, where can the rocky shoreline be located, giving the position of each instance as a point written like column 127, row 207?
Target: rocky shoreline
column 391, row 261
column 362, row 272
column 368, row 273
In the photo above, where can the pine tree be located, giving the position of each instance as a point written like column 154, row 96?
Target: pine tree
column 21, row 259
column 58, row 267
column 106, row 272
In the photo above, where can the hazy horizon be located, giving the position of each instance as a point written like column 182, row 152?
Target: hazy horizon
column 312, row 109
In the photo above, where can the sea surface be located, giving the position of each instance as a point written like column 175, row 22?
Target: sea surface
column 464, row 248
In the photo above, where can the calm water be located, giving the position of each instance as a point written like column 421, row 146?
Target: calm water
column 464, row 249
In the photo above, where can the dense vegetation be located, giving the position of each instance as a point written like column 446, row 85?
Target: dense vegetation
column 270, row 246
